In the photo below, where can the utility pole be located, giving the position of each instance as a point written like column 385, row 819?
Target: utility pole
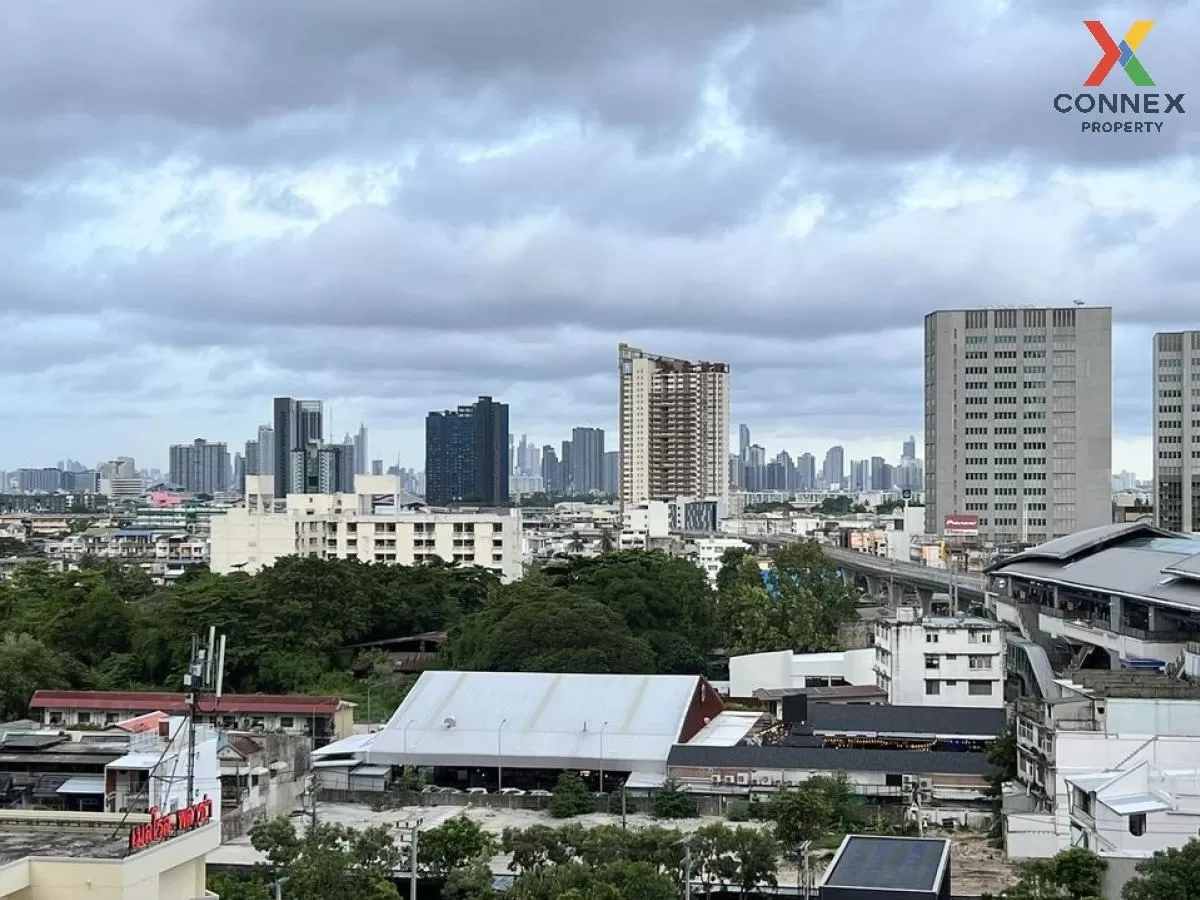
column 414, row 831
column 803, row 870
column 205, row 676
column 687, row 867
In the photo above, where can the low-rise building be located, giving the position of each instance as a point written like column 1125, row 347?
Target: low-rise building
column 55, row 855
column 366, row 525
column 708, row 553
column 941, row 660
column 323, row 719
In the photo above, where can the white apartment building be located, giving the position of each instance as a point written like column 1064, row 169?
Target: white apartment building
column 783, row 670
column 939, row 660
column 708, row 553
column 1176, row 404
column 1110, row 765
column 364, row 525
column 674, row 427
column 1018, row 420
column 164, row 555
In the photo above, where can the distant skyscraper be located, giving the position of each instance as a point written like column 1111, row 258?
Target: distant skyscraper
column 466, row 455
column 587, row 459
column 321, row 469
column 834, row 473
column 611, row 483
column 674, row 427
column 200, row 467
column 361, row 459
column 266, row 450
column 1018, row 420
column 743, row 439
column 377, row 467
column 1176, row 432
column 252, row 458
column 297, row 424
column 910, row 448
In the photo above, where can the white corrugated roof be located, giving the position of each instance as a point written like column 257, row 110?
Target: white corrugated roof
column 727, row 729
column 528, row 719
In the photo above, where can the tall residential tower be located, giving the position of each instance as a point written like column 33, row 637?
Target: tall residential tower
column 1177, row 430
column 674, row 427
column 1018, row 420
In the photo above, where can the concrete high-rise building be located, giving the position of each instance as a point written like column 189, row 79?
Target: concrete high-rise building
column 361, row 460
column 377, row 467
column 466, row 455
column 1176, row 431
column 833, row 475
column 674, row 427
column 298, row 423
column 587, row 460
column 200, row 467
column 266, row 451
column 1018, row 420
column 252, row 454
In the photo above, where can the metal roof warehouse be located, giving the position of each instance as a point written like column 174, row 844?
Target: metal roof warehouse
column 539, row 721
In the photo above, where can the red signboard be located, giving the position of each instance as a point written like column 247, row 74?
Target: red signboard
column 160, row 828
column 961, row 526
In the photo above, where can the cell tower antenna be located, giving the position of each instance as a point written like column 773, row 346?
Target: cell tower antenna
column 205, row 676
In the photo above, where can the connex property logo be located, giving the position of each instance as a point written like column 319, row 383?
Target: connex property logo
column 1125, row 112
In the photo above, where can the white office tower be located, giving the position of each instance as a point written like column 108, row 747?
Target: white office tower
column 1018, row 421
column 674, row 427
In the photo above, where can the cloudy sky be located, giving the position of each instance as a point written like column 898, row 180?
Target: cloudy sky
column 396, row 206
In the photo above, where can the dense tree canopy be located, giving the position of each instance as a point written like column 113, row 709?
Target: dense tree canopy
column 1169, row 875
column 294, row 626
column 799, row 604
column 291, row 627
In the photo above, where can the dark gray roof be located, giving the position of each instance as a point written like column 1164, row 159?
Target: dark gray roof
column 915, row 720
column 1142, row 568
column 1081, row 542
column 889, row 863
column 827, row 759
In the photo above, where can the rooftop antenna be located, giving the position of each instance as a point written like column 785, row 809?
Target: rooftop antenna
column 205, row 676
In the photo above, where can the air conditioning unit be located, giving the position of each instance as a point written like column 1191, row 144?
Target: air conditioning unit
column 743, row 779
column 716, row 779
column 925, row 784
column 909, row 781
column 729, row 779
column 778, row 782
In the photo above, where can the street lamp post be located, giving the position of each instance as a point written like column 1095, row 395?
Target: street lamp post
column 602, row 727
column 500, row 756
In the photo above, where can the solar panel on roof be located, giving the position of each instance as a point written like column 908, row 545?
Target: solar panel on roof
column 888, row 863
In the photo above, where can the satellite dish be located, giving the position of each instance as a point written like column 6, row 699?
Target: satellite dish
column 449, row 721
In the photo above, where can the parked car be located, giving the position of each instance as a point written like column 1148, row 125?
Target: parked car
column 477, row 790
column 512, row 792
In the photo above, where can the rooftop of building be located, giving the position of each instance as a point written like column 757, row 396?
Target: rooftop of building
column 1132, row 684
column 62, row 834
column 870, row 862
column 1131, row 559
column 900, row 617
column 828, row 759
column 162, row 701
column 906, row 721
column 841, row 693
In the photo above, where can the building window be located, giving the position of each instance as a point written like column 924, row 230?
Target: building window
column 931, row 637
column 932, row 687
column 931, row 661
column 84, row 718
column 1137, row 824
column 286, row 722
column 979, row 688
column 981, row 662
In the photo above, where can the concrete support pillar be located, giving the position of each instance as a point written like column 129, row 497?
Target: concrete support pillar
column 874, row 585
column 925, row 595
column 847, row 578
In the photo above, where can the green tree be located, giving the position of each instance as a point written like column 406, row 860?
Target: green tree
column 800, row 814
column 27, row 665
column 239, row 887
column 731, row 567
column 1072, row 874
column 475, row 882
column 1002, row 757
column 1171, row 874
column 570, row 797
column 671, row 801
column 330, row 860
column 537, row 628
column 455, row 844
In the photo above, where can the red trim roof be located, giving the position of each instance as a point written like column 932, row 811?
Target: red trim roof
column 154, row 701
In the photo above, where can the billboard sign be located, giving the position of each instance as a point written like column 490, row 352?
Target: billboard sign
column 961, row 526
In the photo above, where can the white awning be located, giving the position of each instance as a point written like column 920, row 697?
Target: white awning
column 645, row 781
column 83, row 784
column 259, row 770
column 372, row 771
column 236, row 771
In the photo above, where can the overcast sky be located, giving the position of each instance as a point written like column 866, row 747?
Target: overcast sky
column 396, row 206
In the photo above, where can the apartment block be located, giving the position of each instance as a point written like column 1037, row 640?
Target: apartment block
column 373, row 524
column 1177, row 430
column 1018, row 420
column 674, row 427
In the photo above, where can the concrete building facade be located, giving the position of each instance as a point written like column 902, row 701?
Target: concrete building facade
column 1018, row 420
column 1176, row 405
column 940, row 660
column 674, row 427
